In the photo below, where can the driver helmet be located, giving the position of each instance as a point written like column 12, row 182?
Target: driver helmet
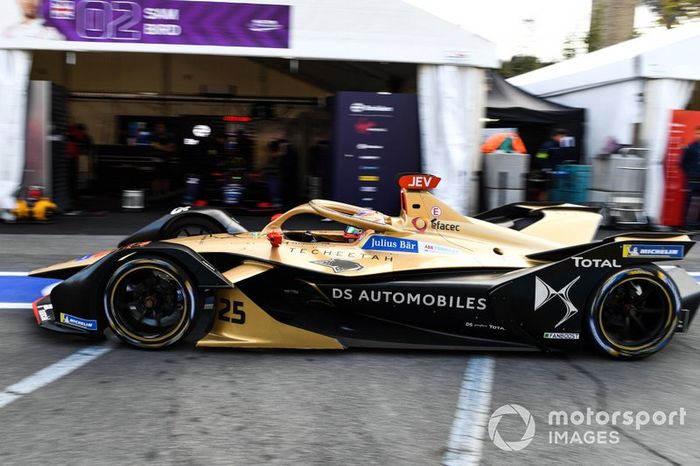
column 353, row 232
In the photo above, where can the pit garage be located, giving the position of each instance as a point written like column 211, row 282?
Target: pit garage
column 227, row 103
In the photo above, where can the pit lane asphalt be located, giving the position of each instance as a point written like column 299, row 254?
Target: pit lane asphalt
column 189, row 406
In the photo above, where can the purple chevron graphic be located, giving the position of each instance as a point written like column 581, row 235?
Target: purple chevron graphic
column 170, row 22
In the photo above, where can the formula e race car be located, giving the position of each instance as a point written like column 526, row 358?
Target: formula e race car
column 521, row 277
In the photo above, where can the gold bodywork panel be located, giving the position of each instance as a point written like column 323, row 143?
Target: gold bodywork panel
column 338, row 258
column 246, row 270
column 240, row 323
column 567, row 227
column 77, row 264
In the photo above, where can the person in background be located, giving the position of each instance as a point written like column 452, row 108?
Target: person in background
column 244, row 150
column 272, row 172
column 289, row 173
column 548, row 155
column 319, row 170
column 544, row 161
column 79, row 146
column 690, row 164
column 31, row 26
column 163, row 144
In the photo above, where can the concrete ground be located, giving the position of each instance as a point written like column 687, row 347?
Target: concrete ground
column 227, row 407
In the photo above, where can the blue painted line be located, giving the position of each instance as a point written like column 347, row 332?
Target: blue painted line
column 19, row 289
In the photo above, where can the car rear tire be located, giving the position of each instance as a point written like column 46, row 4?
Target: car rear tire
column 192, row 226
column 634, row 313
column 150, row 302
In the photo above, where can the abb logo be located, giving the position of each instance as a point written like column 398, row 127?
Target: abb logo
column 420, row 182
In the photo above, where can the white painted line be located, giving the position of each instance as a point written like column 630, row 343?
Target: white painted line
column 472, row 414
column 15, row 305
column 14, row 274
column 51, row 373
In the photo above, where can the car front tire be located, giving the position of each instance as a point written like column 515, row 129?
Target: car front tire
column 150, row 302
column 191, row 225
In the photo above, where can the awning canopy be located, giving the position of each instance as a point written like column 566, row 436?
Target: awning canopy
column 509, row 106
column 658, row 54
column 506, row 101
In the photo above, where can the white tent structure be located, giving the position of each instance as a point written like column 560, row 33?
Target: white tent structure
column 628, row 90
column 451, row 63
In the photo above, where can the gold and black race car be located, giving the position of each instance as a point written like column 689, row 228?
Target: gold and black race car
column 521, row 277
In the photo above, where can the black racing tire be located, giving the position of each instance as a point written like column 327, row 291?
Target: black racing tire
column 634, row 313
column 150, row 302
column 192, row 225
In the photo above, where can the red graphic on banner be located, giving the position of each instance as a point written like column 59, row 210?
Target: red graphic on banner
column 363, row 126
column 681, row 133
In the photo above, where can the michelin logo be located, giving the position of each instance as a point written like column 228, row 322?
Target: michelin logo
column 653, row 250
column 78, row 322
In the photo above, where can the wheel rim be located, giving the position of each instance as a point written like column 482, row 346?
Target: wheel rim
column 149, row 303
column 192, row 230
column 635, row 313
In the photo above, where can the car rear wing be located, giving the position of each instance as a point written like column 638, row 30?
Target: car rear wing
column 630, row 248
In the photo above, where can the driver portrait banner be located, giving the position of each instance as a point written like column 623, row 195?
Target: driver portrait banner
column 178, row 22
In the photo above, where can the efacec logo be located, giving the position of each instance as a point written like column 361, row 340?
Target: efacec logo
column 579, row 427
column 421, row 224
